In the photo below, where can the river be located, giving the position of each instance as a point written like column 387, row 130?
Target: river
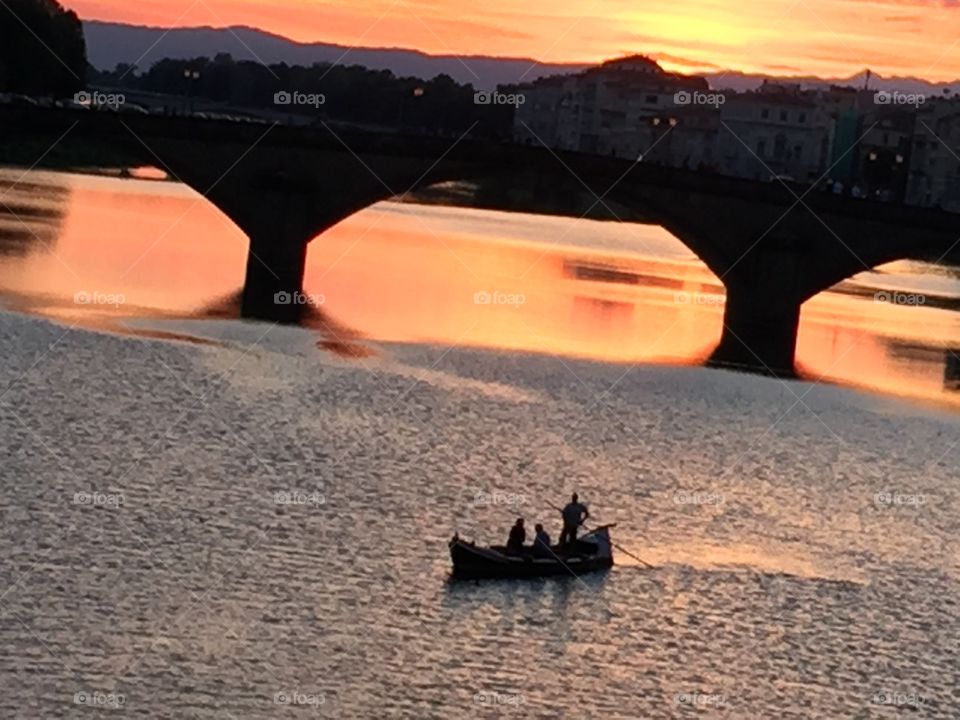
column 210, row 518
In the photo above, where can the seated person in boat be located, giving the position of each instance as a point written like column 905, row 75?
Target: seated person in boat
column 518, row 536
column 574, row 514
column 541, row 543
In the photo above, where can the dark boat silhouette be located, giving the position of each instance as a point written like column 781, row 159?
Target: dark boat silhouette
column 592, row 552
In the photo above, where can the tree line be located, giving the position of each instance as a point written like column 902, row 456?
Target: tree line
column 349, row 93
column 43, row 52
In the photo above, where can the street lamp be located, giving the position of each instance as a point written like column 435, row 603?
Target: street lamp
column 191, row 76
column 417, row 92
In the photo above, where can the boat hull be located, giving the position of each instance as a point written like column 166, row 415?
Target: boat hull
column 593, row 554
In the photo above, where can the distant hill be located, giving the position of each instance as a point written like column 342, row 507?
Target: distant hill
column 740, row 82
column 111, row 43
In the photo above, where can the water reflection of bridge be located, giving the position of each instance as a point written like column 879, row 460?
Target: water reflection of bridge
column 913, row 353
column 772, row 246
column 30, row 214
column 951, row 369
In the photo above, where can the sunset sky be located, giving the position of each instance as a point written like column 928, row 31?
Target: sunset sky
column 783, row 37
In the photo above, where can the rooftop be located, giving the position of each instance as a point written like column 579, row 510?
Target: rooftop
column 630, row 63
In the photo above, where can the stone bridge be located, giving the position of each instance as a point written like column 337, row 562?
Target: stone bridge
column 772, row 246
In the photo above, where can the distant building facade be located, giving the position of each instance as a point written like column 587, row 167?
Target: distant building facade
column 934, row 172
column 885, row 151
column 847, row 140
column 774, row 132
column 602, row 110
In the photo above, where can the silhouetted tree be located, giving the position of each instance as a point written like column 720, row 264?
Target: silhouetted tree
column 42, row 48
column 351, row 93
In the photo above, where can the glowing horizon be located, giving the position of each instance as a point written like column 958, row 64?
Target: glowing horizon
column 825, row 38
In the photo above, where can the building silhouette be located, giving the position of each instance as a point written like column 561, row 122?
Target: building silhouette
column 886, row 146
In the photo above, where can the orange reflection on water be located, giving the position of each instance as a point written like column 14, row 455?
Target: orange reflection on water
column 158, row 245
column 403, row 277
column 397, row 278
column 449, row 276
column 902, row 351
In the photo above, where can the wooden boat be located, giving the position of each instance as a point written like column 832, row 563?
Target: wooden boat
column 593, row 551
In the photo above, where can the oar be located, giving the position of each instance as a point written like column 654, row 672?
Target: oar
column 627, row 552
column 618, row 547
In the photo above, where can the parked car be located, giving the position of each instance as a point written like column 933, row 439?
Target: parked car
column 132, row 109
column 19, row 99
column 70, row 104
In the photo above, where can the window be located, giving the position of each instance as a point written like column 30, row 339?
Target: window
column 761, row 147
column 653, row 99
column 783, row 115
column 780, row 146
column 764, row 113
column 803, row 117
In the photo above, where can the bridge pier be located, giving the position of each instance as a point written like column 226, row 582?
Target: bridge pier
column 759, row 333
column 273, row 289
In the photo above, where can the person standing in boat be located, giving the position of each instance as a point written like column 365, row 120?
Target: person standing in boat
column 518, row 536
column 574, row 514
column 541, row 543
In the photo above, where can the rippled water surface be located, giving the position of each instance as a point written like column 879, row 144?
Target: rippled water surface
column 253, row 528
